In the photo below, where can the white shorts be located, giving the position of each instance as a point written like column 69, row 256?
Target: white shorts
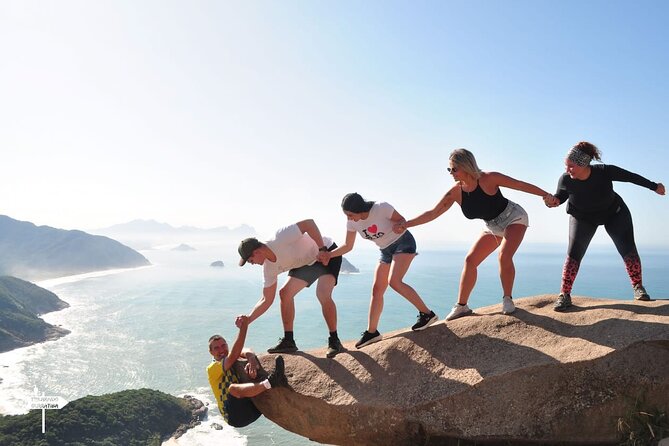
column 513, row 214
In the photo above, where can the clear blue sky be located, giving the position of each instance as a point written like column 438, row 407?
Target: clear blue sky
column 218, row 113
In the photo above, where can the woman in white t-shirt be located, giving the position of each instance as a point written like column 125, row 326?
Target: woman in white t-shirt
column 374, row 221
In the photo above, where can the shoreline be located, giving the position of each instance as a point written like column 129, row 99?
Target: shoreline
column 57, row 331
column 11, row 358
column 47, row 283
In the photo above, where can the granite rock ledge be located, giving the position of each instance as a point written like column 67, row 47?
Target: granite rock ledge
column 533, row 377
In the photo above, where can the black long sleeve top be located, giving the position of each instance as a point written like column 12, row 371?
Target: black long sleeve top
column 594, row 199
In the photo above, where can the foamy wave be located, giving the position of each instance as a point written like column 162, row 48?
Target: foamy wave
column 205, row 434
column 15, row 400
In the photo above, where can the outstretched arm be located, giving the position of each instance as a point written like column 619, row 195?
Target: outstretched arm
column 506, row 181
column 444, row 204
column 264, row 303
column 324, row 257
column 243, row 324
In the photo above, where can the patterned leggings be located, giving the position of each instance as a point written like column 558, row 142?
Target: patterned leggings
column 620, row 229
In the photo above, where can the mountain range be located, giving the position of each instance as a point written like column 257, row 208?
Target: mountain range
column 146, row 234
column 40, row 252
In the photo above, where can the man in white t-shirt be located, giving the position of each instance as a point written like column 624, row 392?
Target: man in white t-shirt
column 295, row 249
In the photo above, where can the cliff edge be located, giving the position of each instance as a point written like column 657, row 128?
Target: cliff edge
column 533, row 377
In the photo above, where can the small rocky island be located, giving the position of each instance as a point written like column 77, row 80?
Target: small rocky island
column 217, row 264
column 183, row 247
column 347, row 267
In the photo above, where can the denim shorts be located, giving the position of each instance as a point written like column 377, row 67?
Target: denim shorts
column 406, row 244
column 513, row 214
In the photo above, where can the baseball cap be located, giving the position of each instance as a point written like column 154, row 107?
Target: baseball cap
column 246, row 248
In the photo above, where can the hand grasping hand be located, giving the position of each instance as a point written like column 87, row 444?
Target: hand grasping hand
column 400, row 227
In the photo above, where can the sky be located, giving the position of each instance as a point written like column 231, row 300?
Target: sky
column 221, row 113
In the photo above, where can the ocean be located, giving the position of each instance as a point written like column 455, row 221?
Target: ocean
column 149, row 327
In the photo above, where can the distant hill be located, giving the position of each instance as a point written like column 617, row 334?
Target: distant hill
column 21, row 303
column 131, row 417
column 183, row 247
column 39, row 252
column 145, row 234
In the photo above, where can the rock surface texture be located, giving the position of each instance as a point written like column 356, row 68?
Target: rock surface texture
column 533, row 377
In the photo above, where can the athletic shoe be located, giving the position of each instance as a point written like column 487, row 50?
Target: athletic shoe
column 640, row 293
column 507, row 305
column 284, row 346
column 458, row 311
column 368, row 338
column 563, row 302
column 334, row 347
column 278, row 377
column 424, row 320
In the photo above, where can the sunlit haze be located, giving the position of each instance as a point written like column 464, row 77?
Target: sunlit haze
column 220, row 113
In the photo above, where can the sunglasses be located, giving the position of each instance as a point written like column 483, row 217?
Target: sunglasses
column 452, row 169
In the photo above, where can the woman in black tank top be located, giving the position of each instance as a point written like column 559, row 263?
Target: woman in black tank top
column 478, row 194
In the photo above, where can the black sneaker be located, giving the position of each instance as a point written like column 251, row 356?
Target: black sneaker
column 563, row 302
column 334, row 347
column 368, row 338
column 284, row 346
column 640, row 293
column 424, row 320
column 278, row 377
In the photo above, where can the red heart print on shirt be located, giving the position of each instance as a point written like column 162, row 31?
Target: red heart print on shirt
column 373, row 229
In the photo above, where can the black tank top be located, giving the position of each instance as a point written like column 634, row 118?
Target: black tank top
column 478, row 204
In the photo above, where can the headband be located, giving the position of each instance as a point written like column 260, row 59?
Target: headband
column 578, row 157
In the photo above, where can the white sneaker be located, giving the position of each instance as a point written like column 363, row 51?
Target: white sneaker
column 458, row 311
column 507, row 305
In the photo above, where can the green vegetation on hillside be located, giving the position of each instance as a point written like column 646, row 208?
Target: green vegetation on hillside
column 131, row 417
column 20, row 304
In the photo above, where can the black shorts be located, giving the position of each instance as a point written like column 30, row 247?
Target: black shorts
column 241, row 411
column 310, row 273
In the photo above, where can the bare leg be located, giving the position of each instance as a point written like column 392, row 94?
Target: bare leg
column 485, row 245
column 246, row 390
column 287, row 294
column 513, row 235
column 398, row 270
column 378, row 289
column 324, row 289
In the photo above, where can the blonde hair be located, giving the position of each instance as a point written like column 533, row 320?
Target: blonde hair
column 465, row 161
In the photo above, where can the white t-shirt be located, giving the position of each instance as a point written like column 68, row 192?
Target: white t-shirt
column 378, row 227
column 293, row 249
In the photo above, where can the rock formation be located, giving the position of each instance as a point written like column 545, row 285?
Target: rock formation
column 533, row 377
column 347, row 267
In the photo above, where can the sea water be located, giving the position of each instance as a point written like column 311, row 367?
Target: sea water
column 148, row 327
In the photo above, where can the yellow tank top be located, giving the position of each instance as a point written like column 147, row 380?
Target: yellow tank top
column 220, row 380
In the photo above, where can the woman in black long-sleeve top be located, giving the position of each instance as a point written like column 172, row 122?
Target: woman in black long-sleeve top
column 593, row 202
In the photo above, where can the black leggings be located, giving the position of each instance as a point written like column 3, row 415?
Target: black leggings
column 619, row 227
